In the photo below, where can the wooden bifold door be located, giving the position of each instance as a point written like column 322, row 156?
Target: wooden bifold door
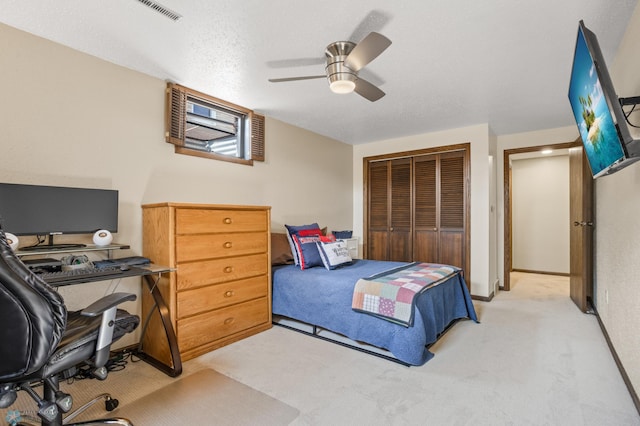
column 417, row 207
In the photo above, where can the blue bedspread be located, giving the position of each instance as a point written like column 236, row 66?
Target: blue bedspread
column 323, row 298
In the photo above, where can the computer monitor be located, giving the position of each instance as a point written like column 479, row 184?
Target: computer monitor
column 55, row 210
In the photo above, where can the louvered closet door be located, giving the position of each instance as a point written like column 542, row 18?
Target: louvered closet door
column 378, row 208
column 426, row 208
column 439, row 184
column 452, row 208
column 389, row 236
column 400, row 238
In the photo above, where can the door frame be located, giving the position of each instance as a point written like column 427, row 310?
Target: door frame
column 507, row 184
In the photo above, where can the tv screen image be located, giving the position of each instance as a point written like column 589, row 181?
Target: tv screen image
column 592, row 112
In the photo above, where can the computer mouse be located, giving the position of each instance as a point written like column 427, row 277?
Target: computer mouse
column 124, row 267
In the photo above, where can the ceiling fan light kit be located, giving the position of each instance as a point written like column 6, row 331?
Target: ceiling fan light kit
column 344, row 60
column 342, row 86
column 342, row 79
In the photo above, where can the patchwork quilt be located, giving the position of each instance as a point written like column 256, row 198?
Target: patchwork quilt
column 391, row 295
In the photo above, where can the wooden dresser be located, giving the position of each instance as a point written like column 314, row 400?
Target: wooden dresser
column 220, row 291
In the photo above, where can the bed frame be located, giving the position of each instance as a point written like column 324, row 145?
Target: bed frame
column 339, row 339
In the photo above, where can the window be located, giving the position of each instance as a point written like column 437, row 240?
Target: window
column 203, row 126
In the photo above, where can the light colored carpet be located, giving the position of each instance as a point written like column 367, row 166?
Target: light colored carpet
column 207, row 398
column 534, row 359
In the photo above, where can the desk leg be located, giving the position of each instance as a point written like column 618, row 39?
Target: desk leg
column 176, row 370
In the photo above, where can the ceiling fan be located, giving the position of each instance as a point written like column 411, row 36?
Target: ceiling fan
column 343, row 61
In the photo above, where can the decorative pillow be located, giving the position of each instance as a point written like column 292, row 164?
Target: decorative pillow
column 307, row 250
column 334, row 254
column 342, row 234
column 280, row 250
column 305, row 242
column 293, row 230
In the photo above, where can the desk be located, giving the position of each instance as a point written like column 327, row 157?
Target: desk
column 151, row 274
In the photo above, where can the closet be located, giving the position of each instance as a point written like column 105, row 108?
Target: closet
column 417, row 206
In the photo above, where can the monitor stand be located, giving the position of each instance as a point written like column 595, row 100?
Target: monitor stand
column 51, row 246
column 633, row 147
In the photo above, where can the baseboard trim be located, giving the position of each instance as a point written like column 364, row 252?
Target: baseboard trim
column 529, row 271
column 623, row 372
column 483, row 298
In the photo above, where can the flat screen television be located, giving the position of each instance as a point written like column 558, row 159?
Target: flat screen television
column 54, row 210
column 605, row 135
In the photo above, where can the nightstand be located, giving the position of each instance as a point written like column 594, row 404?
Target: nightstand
column 352, row 245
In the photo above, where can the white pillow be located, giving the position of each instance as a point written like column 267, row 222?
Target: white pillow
column 334, row 254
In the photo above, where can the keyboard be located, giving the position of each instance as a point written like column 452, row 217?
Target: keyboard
column 115, row 263
column 74, row 275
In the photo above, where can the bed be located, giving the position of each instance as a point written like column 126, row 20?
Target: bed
column 319, row 301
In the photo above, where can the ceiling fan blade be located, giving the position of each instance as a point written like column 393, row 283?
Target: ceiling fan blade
column 366, row 51
column 368, row 90
column 299, row 62
column 308, row 77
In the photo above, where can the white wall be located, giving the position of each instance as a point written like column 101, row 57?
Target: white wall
column 70, row 119
column 617, row 226
column 479, row 137
column 540, row 214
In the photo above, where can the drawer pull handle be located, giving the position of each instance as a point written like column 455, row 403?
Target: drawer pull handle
column 228, row 244
column 228, row 321
column 227, row 220
column 228, row 293
column 228, row 269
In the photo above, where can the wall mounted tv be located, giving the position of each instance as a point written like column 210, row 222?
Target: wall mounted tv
column 54, row 210
column 597, row 109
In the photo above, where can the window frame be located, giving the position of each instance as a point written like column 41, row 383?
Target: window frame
column 176, row 124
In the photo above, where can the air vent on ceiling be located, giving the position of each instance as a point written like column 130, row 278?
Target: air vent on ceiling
column 161, row 9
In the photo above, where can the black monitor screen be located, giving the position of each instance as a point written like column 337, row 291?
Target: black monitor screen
column 50, row 210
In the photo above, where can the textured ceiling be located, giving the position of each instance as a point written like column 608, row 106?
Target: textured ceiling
column 452, row 63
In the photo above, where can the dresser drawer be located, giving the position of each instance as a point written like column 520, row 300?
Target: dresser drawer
column 200, row 274
column 211, row 246
column 211, row 326
column 196, row 221
column 216, row 296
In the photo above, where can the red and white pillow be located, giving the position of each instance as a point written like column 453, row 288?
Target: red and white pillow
column 293, row 230
column 303, row 241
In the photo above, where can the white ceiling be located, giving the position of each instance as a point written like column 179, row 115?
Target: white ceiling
column 452, row 63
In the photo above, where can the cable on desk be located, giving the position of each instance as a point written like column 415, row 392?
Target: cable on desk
column 107, row 291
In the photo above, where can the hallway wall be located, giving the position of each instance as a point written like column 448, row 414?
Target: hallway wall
column 540, row 214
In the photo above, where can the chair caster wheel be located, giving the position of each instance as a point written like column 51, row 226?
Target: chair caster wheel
column 111, row 404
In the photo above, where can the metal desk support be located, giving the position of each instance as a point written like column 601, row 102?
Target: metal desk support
column 163, row 310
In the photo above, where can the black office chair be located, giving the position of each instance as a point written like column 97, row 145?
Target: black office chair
column 40, row 341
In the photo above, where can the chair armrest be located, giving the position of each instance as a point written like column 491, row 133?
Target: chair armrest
column 106, row 303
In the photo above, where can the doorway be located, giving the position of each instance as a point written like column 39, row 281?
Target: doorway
column 508, row 198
